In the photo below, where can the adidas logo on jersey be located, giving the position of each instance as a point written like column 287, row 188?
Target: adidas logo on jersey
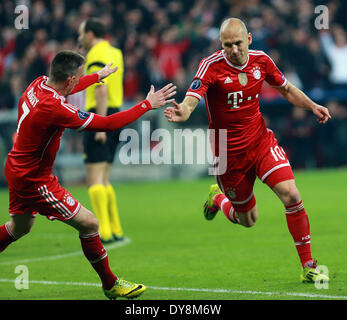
column 228, row 80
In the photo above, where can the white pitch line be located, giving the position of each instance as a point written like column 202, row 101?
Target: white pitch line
column 294, row 294
column 249, row 292
column 111, row 246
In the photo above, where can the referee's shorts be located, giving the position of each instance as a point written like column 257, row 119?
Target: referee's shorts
column 95, row 151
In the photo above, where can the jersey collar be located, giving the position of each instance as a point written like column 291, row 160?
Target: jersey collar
column 233, row 65
column 45, row 86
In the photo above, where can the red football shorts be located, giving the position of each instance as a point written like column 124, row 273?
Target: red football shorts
column 49, row 199
column 267, row 160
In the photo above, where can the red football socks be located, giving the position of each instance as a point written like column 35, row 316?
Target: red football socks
column 96, row 254
column 5, row 237
column 299, row 228
column 223, row 203
column 297, row 221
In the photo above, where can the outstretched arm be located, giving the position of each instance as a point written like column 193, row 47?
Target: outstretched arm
column 90, row 79
column 154, row 100
column 299, row 99
column 181, row 112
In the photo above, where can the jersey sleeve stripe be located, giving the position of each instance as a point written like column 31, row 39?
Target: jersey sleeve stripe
column 193, row 94
column 205, row 64
column 85, row 124
column 69, row 107
column 262, row 53
column 208, row 65
column 204, row 61
column 256, row 51
column 282, row 85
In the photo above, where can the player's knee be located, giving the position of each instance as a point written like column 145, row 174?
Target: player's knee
column 291, row 195
column 288, row 193
column 247, row 219
column 92, row 224
column 20, row 231
column 251, row 222
column 87, row 222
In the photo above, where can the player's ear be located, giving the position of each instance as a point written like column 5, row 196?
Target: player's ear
column 221, row 43
column 69, row 80
column 249, row 38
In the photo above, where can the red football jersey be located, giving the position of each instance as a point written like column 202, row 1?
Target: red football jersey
column 43, row 114
column 231, row 95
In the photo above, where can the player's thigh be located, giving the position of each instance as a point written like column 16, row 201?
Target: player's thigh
column 84, row 221
column 22, row 215
column 274, row 169
column 54, row 201
column 237, row 185
column 272, row 164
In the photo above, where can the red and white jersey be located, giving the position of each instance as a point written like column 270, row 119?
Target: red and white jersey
column 43, row 114
column 232, row 93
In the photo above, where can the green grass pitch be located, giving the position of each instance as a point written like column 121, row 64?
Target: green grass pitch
column 179, row 255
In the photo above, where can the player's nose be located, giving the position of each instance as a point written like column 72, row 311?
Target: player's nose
column 234, row 49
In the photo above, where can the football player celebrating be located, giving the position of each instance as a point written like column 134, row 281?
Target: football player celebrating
column 43, row 114
column 230, row 80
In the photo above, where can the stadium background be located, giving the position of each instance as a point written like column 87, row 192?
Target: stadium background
column 163, row 41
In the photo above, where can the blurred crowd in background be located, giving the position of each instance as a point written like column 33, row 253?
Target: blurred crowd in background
column 163, row 41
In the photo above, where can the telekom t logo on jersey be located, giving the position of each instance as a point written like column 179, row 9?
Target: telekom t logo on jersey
column 233, row 99
column 236, row 97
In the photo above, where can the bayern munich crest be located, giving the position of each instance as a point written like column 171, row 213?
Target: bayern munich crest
column 243, row 78
column 70, row 201
column 256, row 73
column 231, row 193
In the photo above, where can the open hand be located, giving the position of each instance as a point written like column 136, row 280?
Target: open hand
column 175, row 113
column 106, row 71
column 161, row 97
